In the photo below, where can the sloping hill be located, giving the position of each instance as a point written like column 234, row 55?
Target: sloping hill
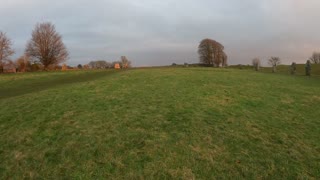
column 166, row 123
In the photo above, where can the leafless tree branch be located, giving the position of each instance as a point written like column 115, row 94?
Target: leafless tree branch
column 46, row 45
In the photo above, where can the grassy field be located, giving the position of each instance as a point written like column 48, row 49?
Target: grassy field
column 166, row 123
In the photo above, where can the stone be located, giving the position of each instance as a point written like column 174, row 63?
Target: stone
column 293, row 68
column 308, row 68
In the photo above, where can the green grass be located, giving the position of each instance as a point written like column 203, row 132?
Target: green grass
column 19, row 84
column 168, row 123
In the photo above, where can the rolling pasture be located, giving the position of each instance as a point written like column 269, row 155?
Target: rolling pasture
column 160, row 123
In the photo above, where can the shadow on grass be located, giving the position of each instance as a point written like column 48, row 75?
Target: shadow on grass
column 22, row 87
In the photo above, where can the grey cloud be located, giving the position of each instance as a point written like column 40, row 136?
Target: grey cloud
column 152, row 32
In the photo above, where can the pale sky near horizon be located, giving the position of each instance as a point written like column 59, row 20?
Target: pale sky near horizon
column 154, row 32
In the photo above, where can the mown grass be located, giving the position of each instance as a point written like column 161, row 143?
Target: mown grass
column 19, row 84
column 169, row 123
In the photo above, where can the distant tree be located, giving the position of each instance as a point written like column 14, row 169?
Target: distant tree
column 35, row 67
column 293, row 68
column 86, row 66
column 64, row 67
column 57, row 67
column 211, row 53
column 256, row 64
column 274, row 62
column 5, row 49
column 23, row 63
column 10, row 66
column 173, row 64
column 308, row 68
column 109, row 65
column 99, row 64
column 92, row 64
column 79, row 66
column 224, row 59
column 315, row 58
column 46, row 46
column 125, row 63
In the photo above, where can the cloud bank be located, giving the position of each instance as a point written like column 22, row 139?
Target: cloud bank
column 151, row 32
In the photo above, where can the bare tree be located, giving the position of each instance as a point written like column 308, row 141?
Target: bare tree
column 125, row 63
column 274, row 62
column 5, row 48
column 315, row 58
column 100, row 64
column 9, row 67
column 211, row 53
column 92, row 64
column 46, row 46
column 23, row 63
column 86, row 66
column 256, row 63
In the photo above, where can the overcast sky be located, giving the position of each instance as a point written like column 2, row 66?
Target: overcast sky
column 160, row 32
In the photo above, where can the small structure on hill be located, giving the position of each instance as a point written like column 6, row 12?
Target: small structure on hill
column 117, row 66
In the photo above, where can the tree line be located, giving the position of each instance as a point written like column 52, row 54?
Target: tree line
column 102, row 64
column 45, row 50
column 211, row 53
